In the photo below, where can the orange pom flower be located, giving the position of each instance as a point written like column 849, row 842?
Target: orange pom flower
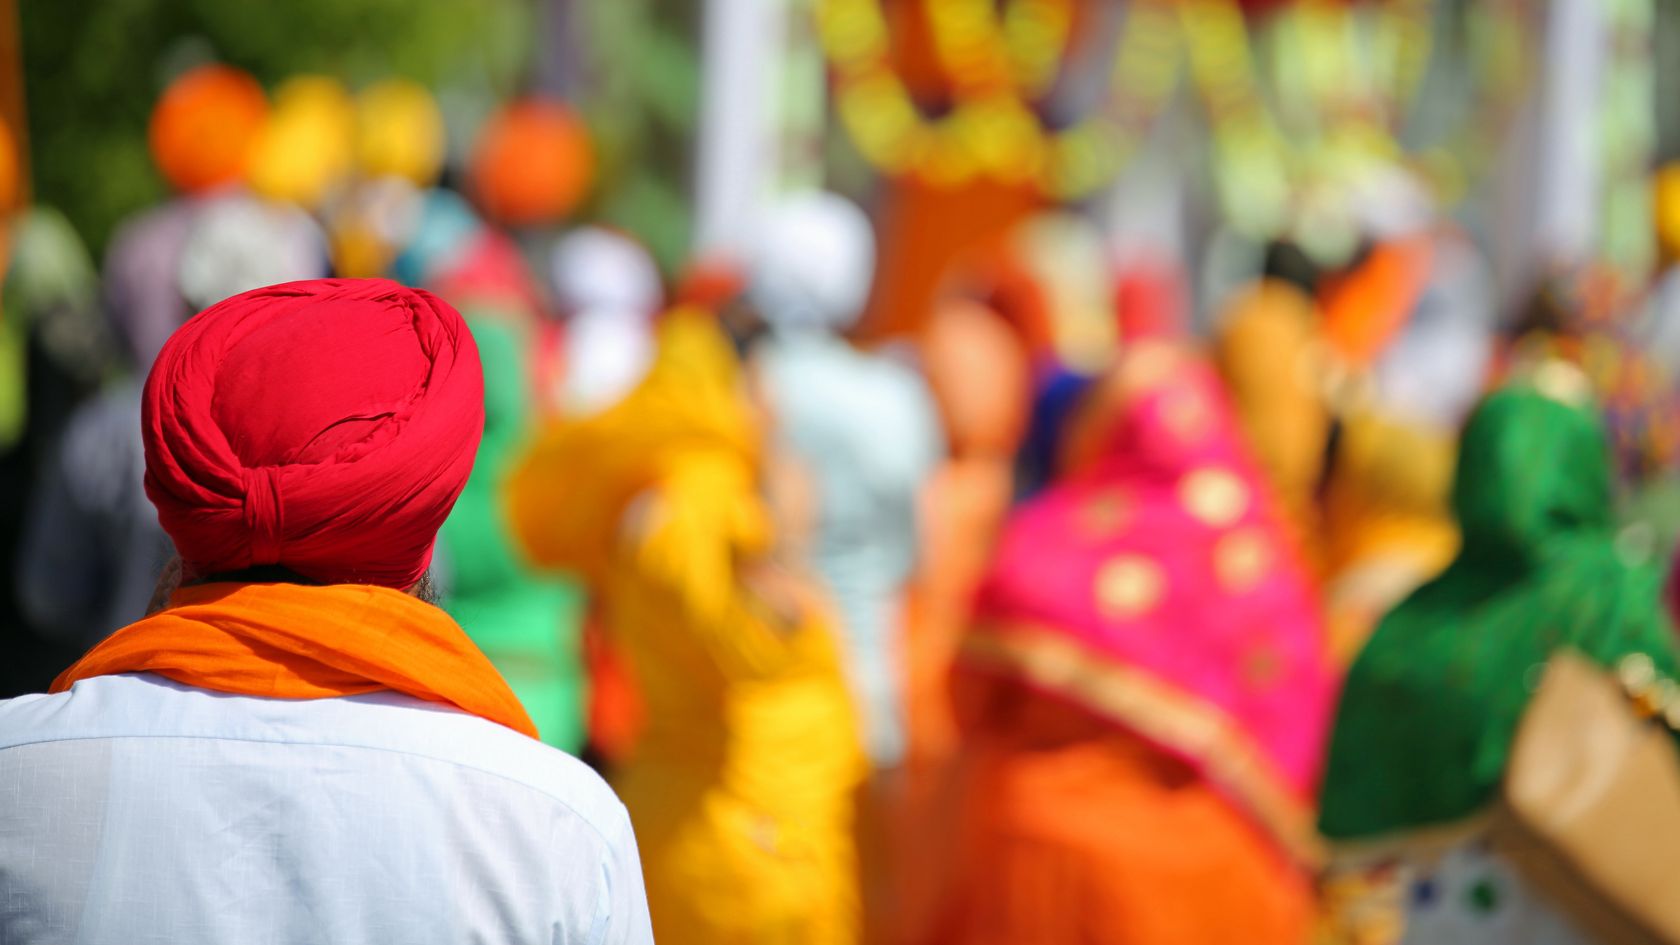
column 204, row 126
column 533, row 163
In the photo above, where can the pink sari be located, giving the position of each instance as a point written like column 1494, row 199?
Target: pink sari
column 1154, row 587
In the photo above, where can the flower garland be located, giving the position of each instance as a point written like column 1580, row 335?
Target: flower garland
column 995, row 67
column 1360, row 77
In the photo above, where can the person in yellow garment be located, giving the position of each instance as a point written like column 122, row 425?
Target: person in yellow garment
column 741, row 787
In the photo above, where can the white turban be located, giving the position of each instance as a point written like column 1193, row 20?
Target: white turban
column 812, row 263
column 241, row 242
column 595, row 269
column 609, row 287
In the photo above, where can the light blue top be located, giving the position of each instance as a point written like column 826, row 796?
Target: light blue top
column 136, row 810
column 867, row 429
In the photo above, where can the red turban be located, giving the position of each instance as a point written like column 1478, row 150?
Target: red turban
column 325, row 426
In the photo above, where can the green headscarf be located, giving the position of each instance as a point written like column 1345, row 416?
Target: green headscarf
column 527, row 622
column 1430, row 708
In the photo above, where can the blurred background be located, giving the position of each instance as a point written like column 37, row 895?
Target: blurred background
column 1365, row 212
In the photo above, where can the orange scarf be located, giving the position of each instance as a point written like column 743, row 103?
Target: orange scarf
column 1364, row 310
column 288, row 641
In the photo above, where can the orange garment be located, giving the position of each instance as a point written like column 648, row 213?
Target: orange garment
column 962, row 507
column 616, row 713
column 981, row 379
column 980, row 375
column 1367, row 307
column 1075, row 831
column 288, row 641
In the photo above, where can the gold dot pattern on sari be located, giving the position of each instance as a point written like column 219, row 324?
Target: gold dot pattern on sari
column 1105, row 514
column 1129, row 586
column 1241, row 559
column 1213, row 496
column 1262, row 666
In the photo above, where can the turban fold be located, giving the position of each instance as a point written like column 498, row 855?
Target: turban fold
column 325, row 426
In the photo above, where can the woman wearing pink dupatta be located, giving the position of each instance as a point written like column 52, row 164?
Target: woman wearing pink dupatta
column 1145, row 689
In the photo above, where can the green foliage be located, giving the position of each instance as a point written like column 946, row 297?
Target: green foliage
column 643, row 117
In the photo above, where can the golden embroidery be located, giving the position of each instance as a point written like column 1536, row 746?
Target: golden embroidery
column 1106, row 514
column 1128, row 585
column 1241, row 559
column 1262, row 667
column 1215, row 497
column 1162, row 713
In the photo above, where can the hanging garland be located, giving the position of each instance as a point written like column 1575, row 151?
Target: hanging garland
column 995, row 67
column 1351, row 77
column 1024, row 55
column 1334, row 63
column 1251, row 160
column 1359, row 76
column 1345, row 90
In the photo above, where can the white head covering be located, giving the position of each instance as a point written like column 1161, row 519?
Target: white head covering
column 594, row 268
column 812, row 262
column 610, row 288
column 241, row 242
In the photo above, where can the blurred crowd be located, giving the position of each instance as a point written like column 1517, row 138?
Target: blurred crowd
column 1098, row 606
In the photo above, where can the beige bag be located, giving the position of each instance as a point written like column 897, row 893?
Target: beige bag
column 1591, row 812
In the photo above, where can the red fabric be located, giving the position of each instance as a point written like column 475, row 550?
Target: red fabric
column 616, row 711
column 491, row 272
column 1672, row 591
column 1150, row 300
column 326, row 426
column 710, row 284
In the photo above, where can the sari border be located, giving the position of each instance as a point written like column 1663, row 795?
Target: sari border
column 1161, row 713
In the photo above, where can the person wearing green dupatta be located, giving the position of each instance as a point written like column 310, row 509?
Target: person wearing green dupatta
column 528, row 623
column 1432, row 704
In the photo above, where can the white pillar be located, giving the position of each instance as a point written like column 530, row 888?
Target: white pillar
column 1567, row 188
column 737, row 142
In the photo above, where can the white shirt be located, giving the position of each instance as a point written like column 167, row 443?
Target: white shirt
column 136, row 810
